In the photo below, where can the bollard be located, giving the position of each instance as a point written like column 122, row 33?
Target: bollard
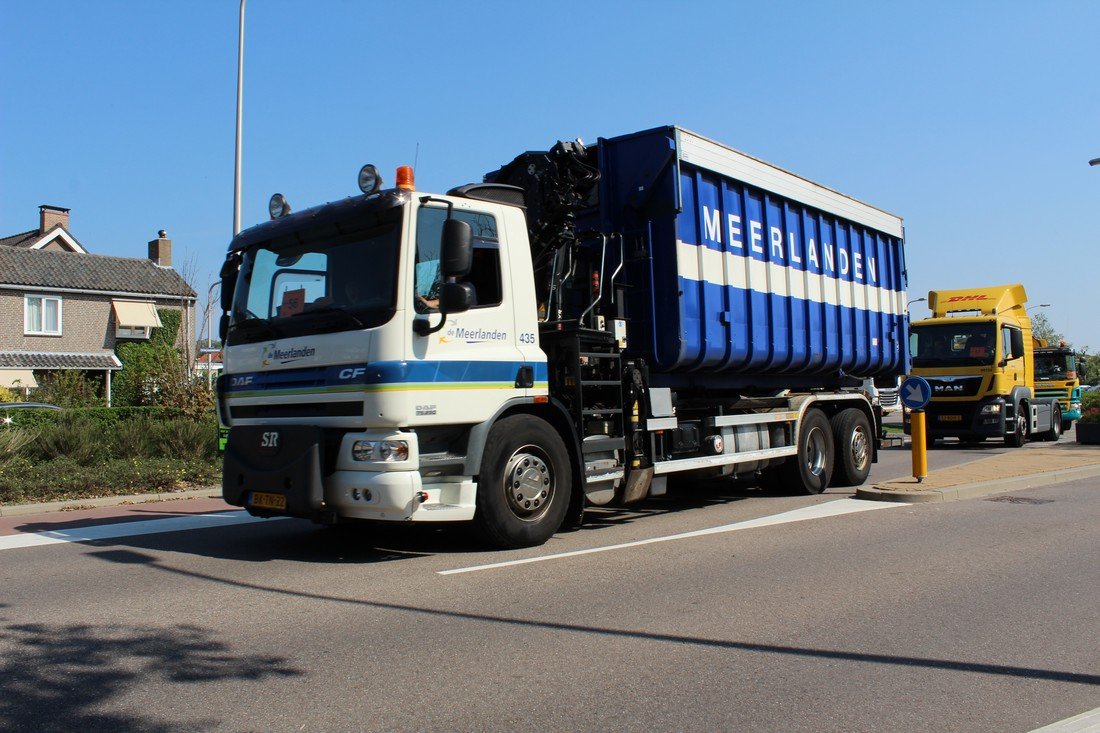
column 919, row 444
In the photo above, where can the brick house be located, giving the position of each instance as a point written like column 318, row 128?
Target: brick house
column 62, row 308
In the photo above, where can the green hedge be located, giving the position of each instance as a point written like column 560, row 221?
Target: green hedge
column 105, row 417
column 61, row 479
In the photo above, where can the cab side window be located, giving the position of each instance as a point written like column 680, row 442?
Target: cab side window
column 484, row 273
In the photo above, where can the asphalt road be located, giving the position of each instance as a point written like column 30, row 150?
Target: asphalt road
column 968, row 616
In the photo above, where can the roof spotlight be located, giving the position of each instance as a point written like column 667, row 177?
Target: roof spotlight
column 369, row 180
column 278, row 206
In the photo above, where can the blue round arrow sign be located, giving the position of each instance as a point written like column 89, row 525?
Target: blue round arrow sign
column 915, row 393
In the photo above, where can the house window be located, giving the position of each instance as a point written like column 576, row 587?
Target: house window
column 135, row 319
column 41, row 315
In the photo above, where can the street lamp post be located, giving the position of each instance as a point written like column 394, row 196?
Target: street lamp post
column 209, row 363
column 1094, row 161
column 240, row 110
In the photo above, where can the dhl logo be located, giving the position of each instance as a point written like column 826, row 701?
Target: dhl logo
column 966, row 298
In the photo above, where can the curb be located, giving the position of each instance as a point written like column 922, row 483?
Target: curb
column 978, row 489
column 16, row 510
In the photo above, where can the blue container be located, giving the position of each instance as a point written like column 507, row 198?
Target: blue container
column 746, row 273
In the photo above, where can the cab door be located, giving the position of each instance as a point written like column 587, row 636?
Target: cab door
column 466, row 370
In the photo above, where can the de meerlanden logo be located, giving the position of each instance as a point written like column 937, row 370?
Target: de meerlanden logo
column 272, row 353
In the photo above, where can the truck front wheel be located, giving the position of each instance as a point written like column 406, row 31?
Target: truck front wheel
column 1018, row 437
column 809, row 471
column 525, row 482
column 854, row 446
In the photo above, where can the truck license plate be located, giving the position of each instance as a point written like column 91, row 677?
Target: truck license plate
column 951, row 418
column 261, row 500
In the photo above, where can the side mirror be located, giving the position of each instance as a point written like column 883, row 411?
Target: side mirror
column 456, row 297
column 456, row 251
column 1017, row 339
column 223, row 327
column 228, row 274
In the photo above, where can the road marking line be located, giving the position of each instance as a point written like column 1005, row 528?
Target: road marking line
column 1084, row 723
column 817, row 511
column 126, row 529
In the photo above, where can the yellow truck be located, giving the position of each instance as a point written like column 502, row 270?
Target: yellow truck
column 977, row 353
column 1058, row 374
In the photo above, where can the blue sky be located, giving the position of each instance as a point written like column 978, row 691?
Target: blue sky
column 973, row 121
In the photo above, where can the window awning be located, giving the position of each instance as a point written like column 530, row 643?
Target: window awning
column 19, row 378
column 133, row 313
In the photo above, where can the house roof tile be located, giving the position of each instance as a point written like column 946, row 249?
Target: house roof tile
column 75, row 271
column 24, row 239
column 57, row 360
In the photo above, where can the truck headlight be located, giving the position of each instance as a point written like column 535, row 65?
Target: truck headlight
column 991, row 409
column 388, row 451
column 393, row 450
column 363, row 450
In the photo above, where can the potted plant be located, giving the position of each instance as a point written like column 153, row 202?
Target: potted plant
column 1088, row 427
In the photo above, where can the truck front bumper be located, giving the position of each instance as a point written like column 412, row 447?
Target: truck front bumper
column 964, row 419
column 281, row 471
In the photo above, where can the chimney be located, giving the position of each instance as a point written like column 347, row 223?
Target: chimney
column 160, row 250
column 50, row 216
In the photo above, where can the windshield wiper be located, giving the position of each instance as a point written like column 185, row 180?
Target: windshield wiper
column 326, row 309
column 257, row 324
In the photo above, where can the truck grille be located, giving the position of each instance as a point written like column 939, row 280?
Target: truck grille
column 888, row 397
column 304, row 409
column 954, row 386
column 1058, row 392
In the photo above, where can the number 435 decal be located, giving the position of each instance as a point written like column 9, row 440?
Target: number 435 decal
column 527, row 338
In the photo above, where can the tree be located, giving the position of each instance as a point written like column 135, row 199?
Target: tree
column 1042, row 328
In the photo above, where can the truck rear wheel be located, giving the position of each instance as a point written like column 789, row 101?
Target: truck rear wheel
column 854, row 447
column 809, row 471
column 525, row 482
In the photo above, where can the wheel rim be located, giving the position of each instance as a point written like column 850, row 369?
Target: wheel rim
column 815, row 451
column 529, row 483
column 859, row 447
column 1021, row 427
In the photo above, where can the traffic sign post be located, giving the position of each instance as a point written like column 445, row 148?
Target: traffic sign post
column 915, row 394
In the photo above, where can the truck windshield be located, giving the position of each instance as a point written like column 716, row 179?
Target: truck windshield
column 1054, row 366
column 325, row 285
column 952, row 344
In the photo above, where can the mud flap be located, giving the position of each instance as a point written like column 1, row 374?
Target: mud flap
column 637, row 484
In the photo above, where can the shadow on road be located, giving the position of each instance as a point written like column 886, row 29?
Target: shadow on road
column 64, row 677
column 677, row 639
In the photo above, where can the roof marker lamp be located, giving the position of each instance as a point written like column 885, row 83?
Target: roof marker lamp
column 369, row 180
column 405, row 178
column 278, row 207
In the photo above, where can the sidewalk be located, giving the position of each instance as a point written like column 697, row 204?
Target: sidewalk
column 1036, row 465
column 20, row 510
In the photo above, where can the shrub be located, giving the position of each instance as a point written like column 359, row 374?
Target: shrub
column 14, row 440
column 1090, row 407
column 186, row 438
column 69, row 388
column 76, row 439
column 6, row 395
column 134, row 438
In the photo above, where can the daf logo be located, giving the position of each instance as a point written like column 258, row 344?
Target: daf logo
column 352, row 373
column 240, row 381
